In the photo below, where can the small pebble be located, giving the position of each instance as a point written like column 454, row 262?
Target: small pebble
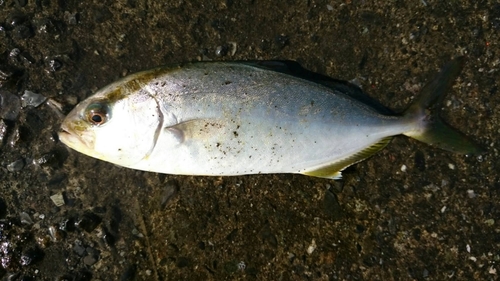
column 54, row 65
column 311, row 247
column 489, row 222
column 241, row 265
column 57, row 199
column 89, row 260
column 16, row 166
column 3, row 131
column 14, row 52
column 471, row 193
column 71, row 18
column 10, row 106
column 25, row 218
column 403, row 168
column 492, row 270
column 56, row 234
column 136, row 232
column 233, row 48
column 221, row 51
column 32, row 99
column 171, row 190
column 79, row 250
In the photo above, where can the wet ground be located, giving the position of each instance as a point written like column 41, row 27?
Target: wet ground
column 412, row 212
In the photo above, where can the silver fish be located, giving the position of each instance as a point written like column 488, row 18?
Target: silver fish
column 236, row 118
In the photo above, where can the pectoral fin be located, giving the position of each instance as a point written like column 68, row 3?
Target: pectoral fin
column 194, row 129
column 333, row 170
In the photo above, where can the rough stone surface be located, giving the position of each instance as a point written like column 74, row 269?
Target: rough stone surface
column 383, row 223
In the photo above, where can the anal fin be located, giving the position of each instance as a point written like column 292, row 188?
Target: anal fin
column 333, row 170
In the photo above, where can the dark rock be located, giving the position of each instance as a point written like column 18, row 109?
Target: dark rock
column 23, row 32
column 231, row 267
column 8, row 75
column 495, row 16
column 79, row 250
column 88, row 221
column 26, row 58
column 21, row 3
column 221, row 51
column 129, row 273
column 281, row 41
column 67, row 224
column 420, row 160
column 102, row 15
column 268, row 237
column 182, row 262
column 10, row 106
column 360, row 228
column 30, row 256
column 54, row 65
column 232, row 235
column 331, row 206
column 3, row 209
column 15, row 19
column 108, row 238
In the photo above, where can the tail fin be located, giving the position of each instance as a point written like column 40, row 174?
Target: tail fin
column 426, row 107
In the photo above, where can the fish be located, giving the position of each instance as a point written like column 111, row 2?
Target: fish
column 251, row 117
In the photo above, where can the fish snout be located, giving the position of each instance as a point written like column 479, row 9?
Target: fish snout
column 76, row 139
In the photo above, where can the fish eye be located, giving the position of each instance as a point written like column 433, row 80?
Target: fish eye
column 98, row 113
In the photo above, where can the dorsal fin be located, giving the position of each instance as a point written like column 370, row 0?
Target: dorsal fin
column 294, row 68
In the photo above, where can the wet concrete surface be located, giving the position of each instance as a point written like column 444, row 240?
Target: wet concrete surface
column 412, row 212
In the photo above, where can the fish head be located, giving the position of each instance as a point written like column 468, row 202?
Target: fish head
column 117, row 125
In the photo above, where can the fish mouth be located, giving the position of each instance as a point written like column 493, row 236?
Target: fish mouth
column 74, row 141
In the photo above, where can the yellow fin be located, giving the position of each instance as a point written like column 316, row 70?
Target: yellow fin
column 333, row 170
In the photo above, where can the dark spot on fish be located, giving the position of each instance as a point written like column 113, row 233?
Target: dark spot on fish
column 312, row 103
column 218, row 144
column 134, row 85
column 235, row 133
column 227, row 82
column 115, row 95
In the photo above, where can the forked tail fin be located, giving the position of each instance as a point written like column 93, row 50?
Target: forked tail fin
column 432, row 130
